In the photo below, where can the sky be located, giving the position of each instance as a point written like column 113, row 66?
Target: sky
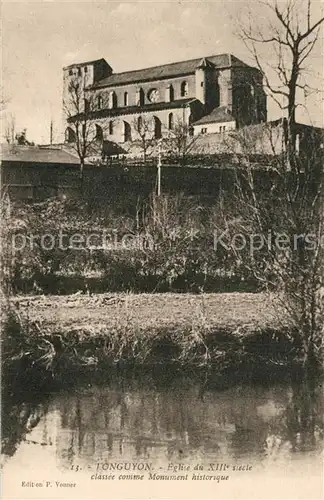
column 40, row 38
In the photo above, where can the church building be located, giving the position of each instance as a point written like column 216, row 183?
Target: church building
column 206, row 95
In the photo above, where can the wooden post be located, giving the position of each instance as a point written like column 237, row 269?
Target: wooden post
column 51, row 132
column 159, row 171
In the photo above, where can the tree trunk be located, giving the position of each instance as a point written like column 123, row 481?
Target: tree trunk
column 310, row 364
column 291, row 135
column 81, row 175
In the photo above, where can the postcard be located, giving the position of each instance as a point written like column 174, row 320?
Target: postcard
column 162, row 263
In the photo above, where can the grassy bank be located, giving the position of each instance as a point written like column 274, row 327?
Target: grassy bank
column 78, row 334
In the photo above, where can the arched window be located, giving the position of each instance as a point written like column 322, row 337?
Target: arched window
column 139, row 123
column 184, row 89
column 127, row 132
column 171, row 121
column 125, row 98
column 70, row 135
column 157, row 128
column 111, row 127
column 86, row 105
column 140, row 97
column 169, row 93
column 99, row 133
column 99, row 101
column 112, row 100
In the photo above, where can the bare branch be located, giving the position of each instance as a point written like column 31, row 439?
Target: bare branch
column 310, row 30
column 292, row 39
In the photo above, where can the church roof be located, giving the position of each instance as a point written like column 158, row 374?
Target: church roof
column 217, row 115
column 169, row 70
column 85, row 63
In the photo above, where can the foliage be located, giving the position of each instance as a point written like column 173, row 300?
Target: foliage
column 286, row 227
column 169, row 245
column 166, row 245
column 295, row 207
column 131, row 338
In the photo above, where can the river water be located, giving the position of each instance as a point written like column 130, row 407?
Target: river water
column 272, row 435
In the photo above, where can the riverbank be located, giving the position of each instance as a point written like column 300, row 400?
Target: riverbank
column 149, row 312
column 63, row 337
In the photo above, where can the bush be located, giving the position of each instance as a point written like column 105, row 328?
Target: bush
column 174, row 249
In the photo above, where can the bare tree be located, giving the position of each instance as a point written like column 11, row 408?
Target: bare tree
column 289, row 32
column 144, row 129
column 84, row 135
column 181, row 142
column 10, row 128
column 4, row 99
column 279, row 217
column 292, row 205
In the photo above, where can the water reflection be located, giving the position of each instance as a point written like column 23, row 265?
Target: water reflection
column 18, row 420
column 178, row 422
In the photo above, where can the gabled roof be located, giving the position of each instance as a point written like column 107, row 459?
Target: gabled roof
column 217, row 115
column 169, row 70
column 34, row 154
column 205, row 63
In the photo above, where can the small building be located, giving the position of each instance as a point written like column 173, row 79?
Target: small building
column 213, row 135
column 34, row 173
column 219, row 120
